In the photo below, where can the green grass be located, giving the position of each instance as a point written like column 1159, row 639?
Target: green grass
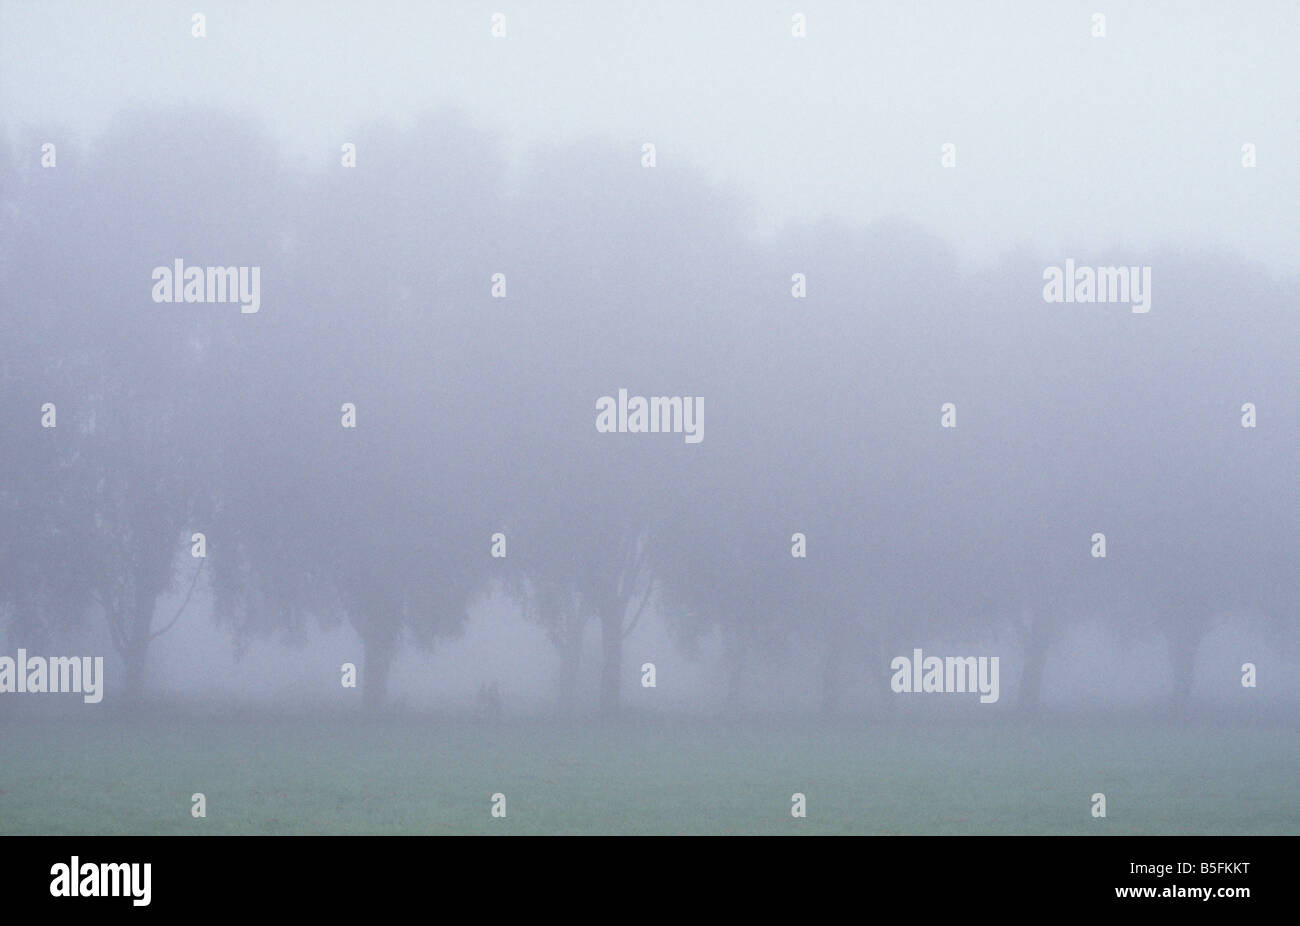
column 426, row 776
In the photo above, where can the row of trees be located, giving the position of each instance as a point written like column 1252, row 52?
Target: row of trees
column 474, row 415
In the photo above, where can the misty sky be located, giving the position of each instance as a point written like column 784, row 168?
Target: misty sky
column 1063, row 140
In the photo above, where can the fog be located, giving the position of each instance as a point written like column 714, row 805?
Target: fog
column 390, row 438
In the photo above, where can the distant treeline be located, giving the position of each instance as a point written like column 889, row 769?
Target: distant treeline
column 405, row 414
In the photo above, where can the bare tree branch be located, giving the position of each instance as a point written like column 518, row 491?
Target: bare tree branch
column 649, row 586
column 181, row 609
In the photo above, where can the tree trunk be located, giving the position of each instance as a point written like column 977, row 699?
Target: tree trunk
column 832, row 670
column 379, row 648
column 1182, row 656
column 1030, row 698
column 1037, row 646
column 134, row 660
column 611, row 641
column 570, row 664
column 735, row 667
column 883, row 674
column 135, row 655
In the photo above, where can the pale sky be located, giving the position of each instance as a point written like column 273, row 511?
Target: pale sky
column 1065, row 142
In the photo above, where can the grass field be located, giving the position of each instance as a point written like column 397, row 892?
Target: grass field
column 424, row 776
